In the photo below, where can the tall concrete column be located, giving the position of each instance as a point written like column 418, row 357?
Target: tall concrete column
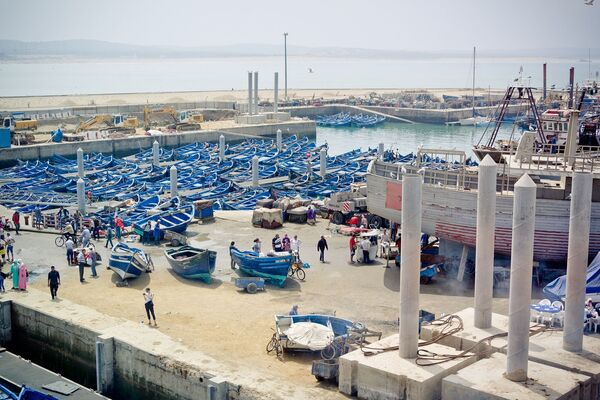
column 255, row 171
column 484, row 253
column 255, row 92
column 323, row 162
column 155, row 153
column 380, row 150
column 279, row 140
column 105, row 364
column 222, row 147
column 579, row 238
column 276, row 93
column 521, row 266
column 81, row 196
column 173, row 176
column 250, row 93
column 80, row 167
column 309, row 168
column 410, row 265
column 571, row 145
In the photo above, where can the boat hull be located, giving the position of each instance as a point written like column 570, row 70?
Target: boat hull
column 273, row 269
column 127, row 262
column 192, row 263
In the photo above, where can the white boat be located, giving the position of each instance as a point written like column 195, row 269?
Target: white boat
column 474, row 121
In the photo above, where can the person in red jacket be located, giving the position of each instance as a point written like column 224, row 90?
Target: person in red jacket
column 352, row 248
column 16, row 218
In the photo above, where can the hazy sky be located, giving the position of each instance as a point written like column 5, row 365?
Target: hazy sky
column 384, row 24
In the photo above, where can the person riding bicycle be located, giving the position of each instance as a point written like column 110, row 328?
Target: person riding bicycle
column 69, row 232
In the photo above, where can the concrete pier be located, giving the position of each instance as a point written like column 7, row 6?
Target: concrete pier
column 579, row 234
column 81, row 196
column 80, row 167
column 484, row 256
column 520, row 281
column 323, row 162
column 173, row 180
column 222, row 147
column 156, row 153
column 410, row 266
column 250, row 106
column 255, row 171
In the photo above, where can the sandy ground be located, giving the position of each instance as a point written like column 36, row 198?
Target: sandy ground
column 43, row 102
column 233, row 326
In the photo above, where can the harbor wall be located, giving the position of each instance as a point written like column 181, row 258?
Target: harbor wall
column 140, row 362
column 134, row 144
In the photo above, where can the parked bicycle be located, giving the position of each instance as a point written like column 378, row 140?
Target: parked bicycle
column 275, row 345
column 297, row 267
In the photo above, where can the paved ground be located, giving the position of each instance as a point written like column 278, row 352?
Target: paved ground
column 232, row 326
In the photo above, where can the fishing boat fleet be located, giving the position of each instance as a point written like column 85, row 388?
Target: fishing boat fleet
column 346, row 119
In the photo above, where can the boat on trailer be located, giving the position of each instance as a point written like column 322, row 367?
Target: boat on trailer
column 128, row 262
column 192, row 263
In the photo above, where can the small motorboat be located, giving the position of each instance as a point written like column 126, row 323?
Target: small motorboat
column 274, row 268
column 128, row 262
column 192, row 262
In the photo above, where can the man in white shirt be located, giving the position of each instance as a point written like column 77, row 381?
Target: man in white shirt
column 81, row 262
column 149, row 304
column 69, row 244
column 86, row 235
column 365, row 245
column 385, row 244
column 295, row 245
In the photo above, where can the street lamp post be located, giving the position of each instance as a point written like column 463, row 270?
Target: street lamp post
column 285, row 56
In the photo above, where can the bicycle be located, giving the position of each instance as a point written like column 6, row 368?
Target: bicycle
column 297, row 268
column 338, row 347
column 275, row 345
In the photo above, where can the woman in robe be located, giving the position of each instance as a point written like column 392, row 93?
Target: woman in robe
column 14, row 270
column 23, row 277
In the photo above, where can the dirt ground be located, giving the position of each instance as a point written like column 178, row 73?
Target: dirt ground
column 233, row 326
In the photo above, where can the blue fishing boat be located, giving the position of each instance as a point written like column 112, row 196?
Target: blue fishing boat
column 128, row 262
column 172, row 220
column 273, row 268
column 192, row 263
column 26, row 393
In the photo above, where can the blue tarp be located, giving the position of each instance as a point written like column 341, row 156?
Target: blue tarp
column 557, row 289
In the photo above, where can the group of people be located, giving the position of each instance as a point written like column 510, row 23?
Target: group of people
column 151, row 233
column 280, row 244
column 18, row 272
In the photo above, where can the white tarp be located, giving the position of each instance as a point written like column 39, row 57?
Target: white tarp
column 313, row 336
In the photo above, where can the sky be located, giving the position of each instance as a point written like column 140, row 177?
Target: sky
column 416, row 25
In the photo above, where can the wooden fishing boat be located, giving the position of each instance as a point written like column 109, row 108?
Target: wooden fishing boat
column 273, row 268
column 128, row 262
column 192, row 262
column 173, row 220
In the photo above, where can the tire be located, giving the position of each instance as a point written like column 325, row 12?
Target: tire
column 328, row 353
column 301, row 274
column 375, row 221
column 59, row 241
column 338, row 218
column 251, row 288
column 271, row 345
column 292, row 272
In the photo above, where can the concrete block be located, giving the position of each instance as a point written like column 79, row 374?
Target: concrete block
column 5, row 322
column 387, row 376
column 105, row 348
column 250, row 119
column 280, row 116
column 485, row 380
column 217, row 388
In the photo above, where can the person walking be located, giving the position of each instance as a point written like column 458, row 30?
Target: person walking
column 10, row 242
column 37, row 214
column 157, row 233
column 16, row 219
column 2, row 252
column 53, row 281
column 85, row 237
column 310, row 216
column 295, row 245
column 365, row 245
column 96, row 231
column 81, row 262
column 286, row 243
column 23, row 277
column 14, row 271
column 352, row 248
column 69, row 245
column 321, row 246
column 118, row 227
column 256, row 246
column 149, row 305
column 109, row 236
column 231, row 247
column 93, row 257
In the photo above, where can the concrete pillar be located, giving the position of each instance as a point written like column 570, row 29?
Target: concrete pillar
column 222, row 147
column 255, row 171
column 579, row 238
column 521, row 266
column 484, row 248
column 410, row 265
column 571, row 144
column 571, row 87
column 279, row 140
column 255, row 92
column 173, row 176
column 250, row 93
column 380, row 150
column 80, row 167
column 81, row 196
column 105, row 364
column 155, row 153
column 545, row 80
column 276, row 93
column 309, row 168
column 323, row 162
column 5, row 321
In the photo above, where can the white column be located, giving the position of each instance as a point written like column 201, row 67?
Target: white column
column 309, row 168
column 279, row 140
column 155, row 153
column 250, row 93
column 255, row 171
column 579, row 238
column 484, row 248
column 410, row 265
column 276, row 93
column 255, row 92
column 222, row 147
column 380, row 150
column 80, row 167
column 173, row 176
column 323, row 162
column 521, row 265
column 81, row 195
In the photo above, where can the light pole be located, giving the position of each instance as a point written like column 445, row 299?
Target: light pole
column 285, row 57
